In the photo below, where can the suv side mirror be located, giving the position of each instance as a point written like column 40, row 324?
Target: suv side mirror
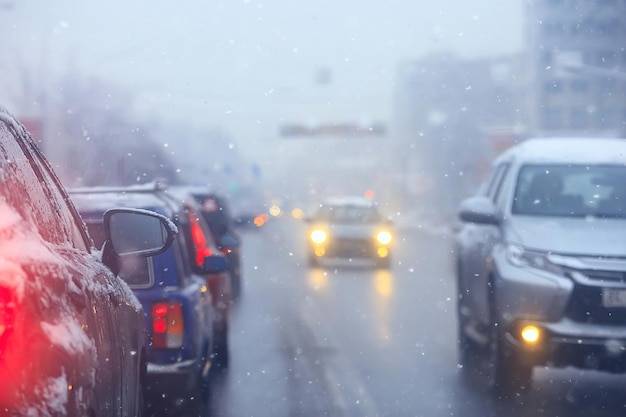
column 479, row 210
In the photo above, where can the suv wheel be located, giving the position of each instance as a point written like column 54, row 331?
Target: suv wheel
column 313, row 261
column 467, row 348
column 220, row 348
column 383, row 263
column 236, row 285
column 508, row 377
column 199, row 393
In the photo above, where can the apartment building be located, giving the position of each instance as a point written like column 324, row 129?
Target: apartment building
column 576, row 52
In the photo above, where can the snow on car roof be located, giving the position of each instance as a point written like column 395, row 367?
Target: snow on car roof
column 578, row 150
column 8, row 118
column 98, row 199
column 348, row 201
column 192, row 189
column 184, row 193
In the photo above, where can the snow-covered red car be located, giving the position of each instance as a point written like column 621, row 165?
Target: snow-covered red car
column 71, row 331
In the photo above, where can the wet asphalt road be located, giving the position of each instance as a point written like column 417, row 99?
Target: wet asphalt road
column 347, row 340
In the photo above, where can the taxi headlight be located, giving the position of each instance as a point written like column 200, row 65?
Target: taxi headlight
column 384, row 237
column 318, row 236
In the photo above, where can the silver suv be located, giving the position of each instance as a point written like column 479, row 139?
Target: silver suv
column 541, row 262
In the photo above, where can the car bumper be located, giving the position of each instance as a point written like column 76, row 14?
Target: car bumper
column 351, row 249
column 567, row 343
column 173, row 378
column 576, row 330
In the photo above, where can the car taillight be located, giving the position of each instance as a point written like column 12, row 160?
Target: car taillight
column 261, row 219
column 7, row 315
column 199, row 239
column 167, row 325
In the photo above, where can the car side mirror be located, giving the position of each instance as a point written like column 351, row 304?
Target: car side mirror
column 480, row 210
column 228, row 240
column 214, row 264
column 135, row 232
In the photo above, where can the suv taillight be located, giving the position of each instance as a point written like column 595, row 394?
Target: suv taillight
column 7, row 315
column 167, row 325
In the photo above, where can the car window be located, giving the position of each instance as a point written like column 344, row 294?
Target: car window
column 496, row 181
column 137, row 272
column 215, row 214
column 503, row 190
column 35, row 194
column 96, row 232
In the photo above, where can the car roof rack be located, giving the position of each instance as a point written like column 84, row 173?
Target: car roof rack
column 159, row 184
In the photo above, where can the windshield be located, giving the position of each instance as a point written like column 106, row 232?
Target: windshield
column 348, row 214
column 571, row 191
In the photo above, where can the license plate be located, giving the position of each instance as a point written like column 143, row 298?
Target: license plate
column 613, row 298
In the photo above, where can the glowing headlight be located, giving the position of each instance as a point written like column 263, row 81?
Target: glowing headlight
column 530, row 334
column 318, row 236
column 275, row 211
column 384, row 237
column 297, row 213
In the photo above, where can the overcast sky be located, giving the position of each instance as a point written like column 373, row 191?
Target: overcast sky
column 245, row 63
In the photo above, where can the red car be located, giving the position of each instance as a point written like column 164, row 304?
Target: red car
column 204, row 243
column 71, row 331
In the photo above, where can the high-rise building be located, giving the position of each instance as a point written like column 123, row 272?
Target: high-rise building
column 576, row 50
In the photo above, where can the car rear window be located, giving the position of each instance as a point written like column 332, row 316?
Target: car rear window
column 135, row 271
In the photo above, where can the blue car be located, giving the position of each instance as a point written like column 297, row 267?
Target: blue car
column 175, row 295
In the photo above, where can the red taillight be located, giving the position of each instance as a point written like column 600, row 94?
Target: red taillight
column 261, row 219
column 167, row 325
column 7, row 315
column 6, row 310
column 199, row 240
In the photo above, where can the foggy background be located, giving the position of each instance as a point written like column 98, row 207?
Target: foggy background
column 206, row 92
